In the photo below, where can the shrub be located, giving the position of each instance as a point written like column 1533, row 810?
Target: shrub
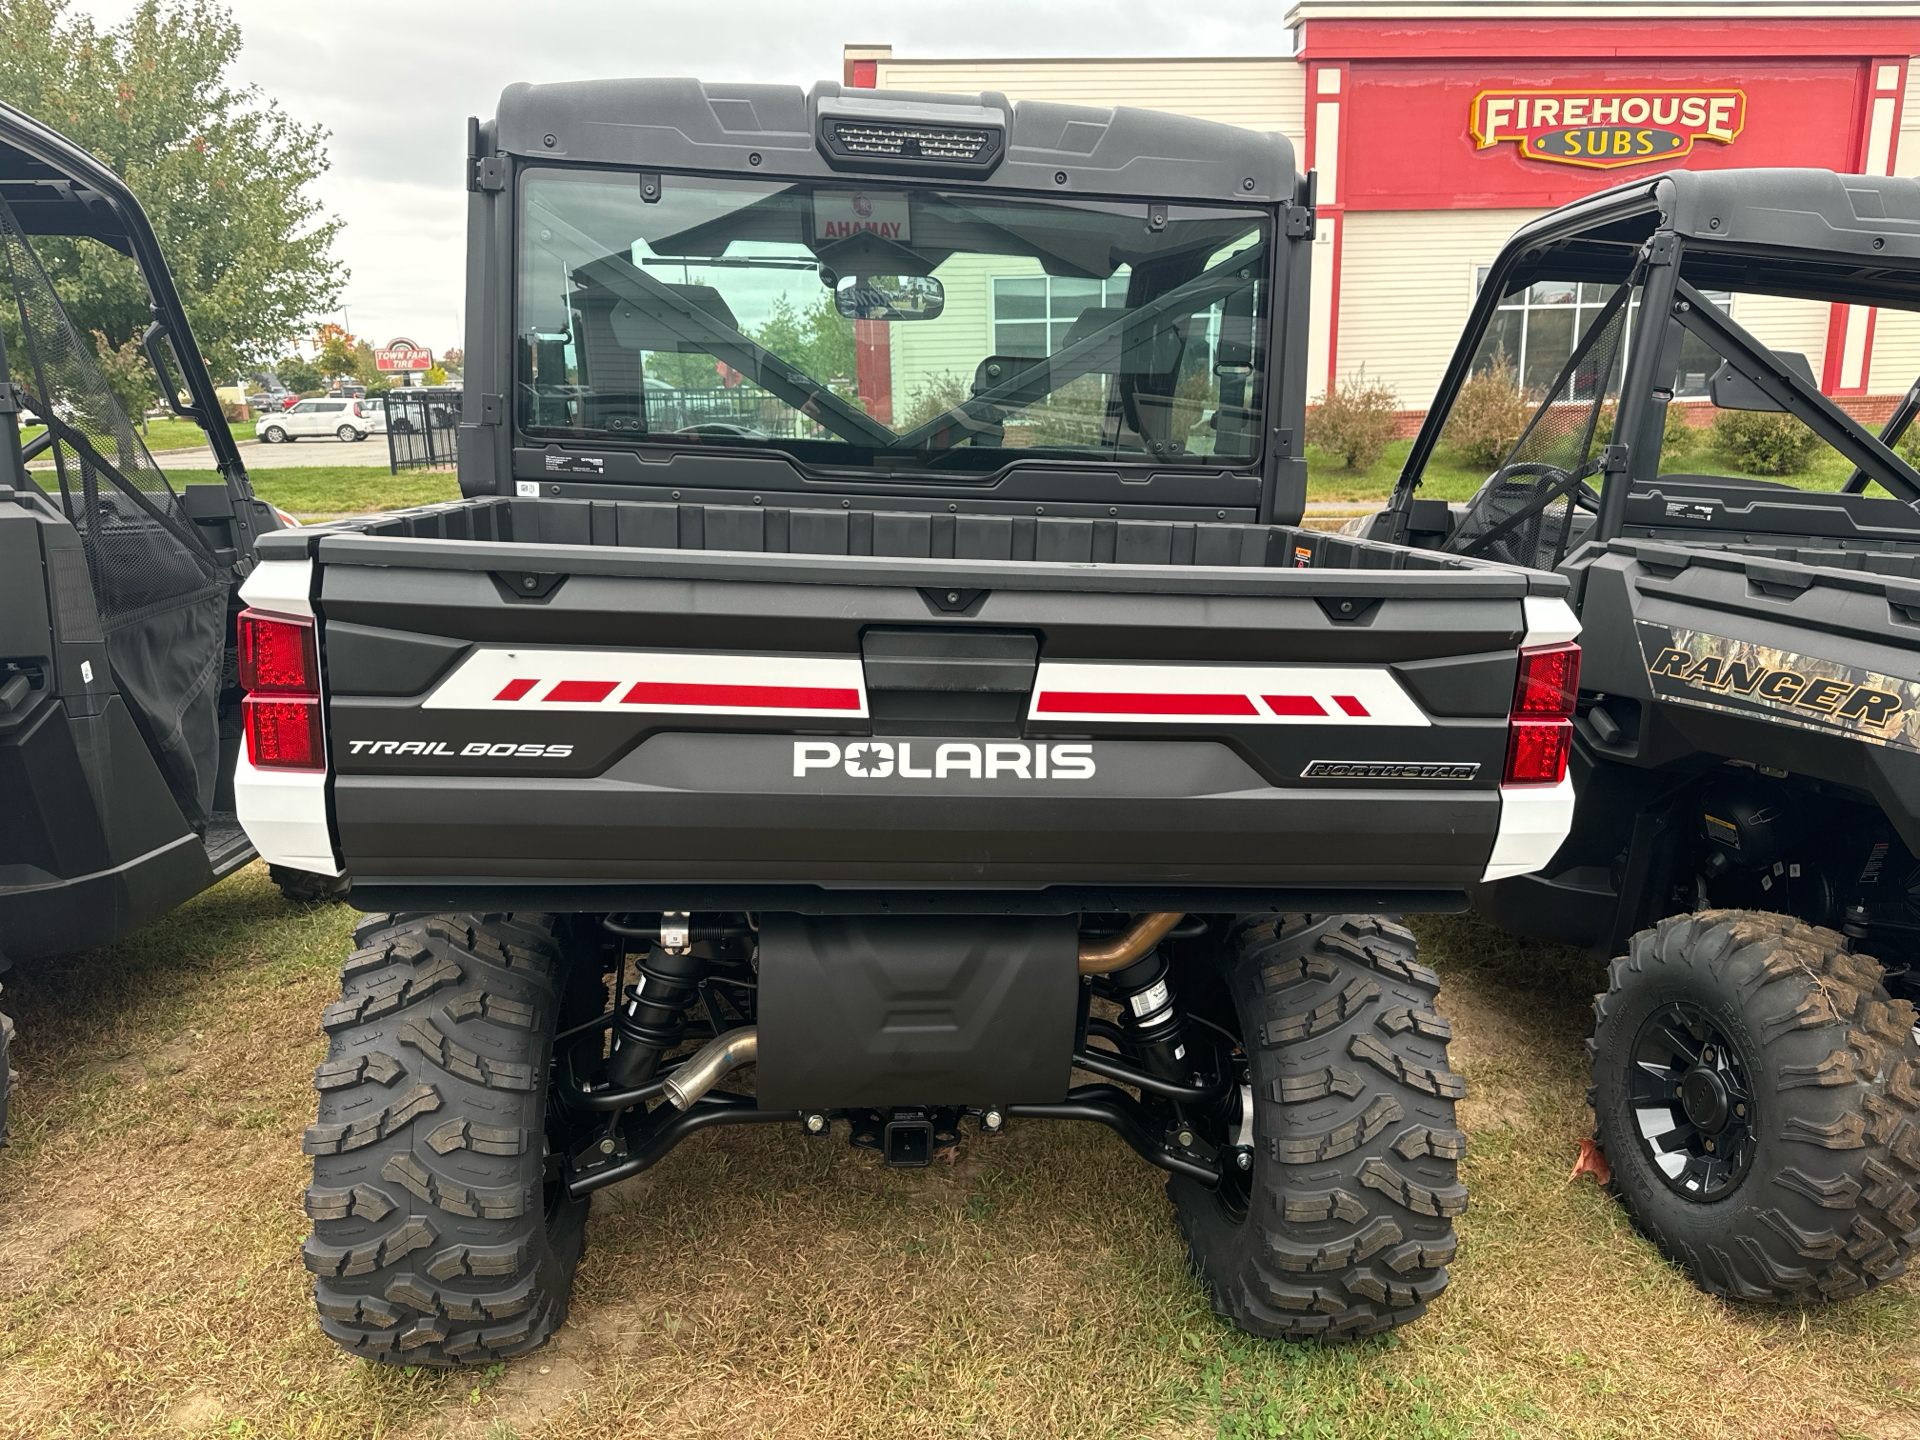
column 1676, row 438
column 1354, row 421
column 1488, row 414
column 933, row 397
column 1907, row 447
column 1763, row 441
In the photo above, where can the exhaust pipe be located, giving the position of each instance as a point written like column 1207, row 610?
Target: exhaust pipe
column 1104, row 956
column 711, row 1063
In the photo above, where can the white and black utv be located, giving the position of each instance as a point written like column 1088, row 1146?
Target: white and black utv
column 119, row 692
column 865, row 743
column 1747, row 736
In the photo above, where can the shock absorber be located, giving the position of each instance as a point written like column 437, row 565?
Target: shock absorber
column 654, row 1019
column 1151, row 1018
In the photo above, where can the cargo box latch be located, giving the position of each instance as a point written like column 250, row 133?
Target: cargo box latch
column 949, row 682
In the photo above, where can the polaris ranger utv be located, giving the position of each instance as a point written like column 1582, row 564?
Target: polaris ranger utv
column 119, row 692
column 875, row 647
column 1747, row 736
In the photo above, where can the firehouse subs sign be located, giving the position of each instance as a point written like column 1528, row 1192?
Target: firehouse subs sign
column 1606, row 128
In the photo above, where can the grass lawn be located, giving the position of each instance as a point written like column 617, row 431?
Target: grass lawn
column 337, row 489
column 1448, row 478
column 356, row 489
column 169, row 434
column 757, row 1284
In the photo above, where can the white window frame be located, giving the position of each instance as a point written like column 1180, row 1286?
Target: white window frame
column 1046, row 319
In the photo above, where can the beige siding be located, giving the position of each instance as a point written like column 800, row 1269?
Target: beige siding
column 1906, row 158
column 1265, row 94
column 937, row 354
column 1896, row 333
column 1896, row 352
column 1406, row 284
column 1784, row 324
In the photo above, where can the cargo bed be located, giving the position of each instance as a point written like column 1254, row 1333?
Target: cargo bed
column 1263, row 709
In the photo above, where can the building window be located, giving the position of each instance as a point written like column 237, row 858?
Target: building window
column 1032, row 313
column 1536, row 329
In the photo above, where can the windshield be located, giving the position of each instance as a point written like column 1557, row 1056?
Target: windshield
column 1714, row 426
column 717, row 315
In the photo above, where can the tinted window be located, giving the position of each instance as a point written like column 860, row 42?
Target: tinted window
column 1069, row 328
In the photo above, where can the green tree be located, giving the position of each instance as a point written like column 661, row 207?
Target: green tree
column 297, row 374
column 818, row 339
column 334, row 352
column 222, row 172
column 367, row 370
column 830, row 345
column 128, row 376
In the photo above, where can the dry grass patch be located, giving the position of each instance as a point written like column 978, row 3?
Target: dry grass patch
column 761, row 1284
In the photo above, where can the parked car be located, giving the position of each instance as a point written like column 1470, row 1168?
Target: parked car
column 345, row 419
column 271, row 402
column 373, row 409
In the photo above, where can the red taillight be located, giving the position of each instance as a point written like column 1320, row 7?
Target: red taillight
column 1549, row 681
column 1537, row 752
column 280, row 670
column 277, row 655
column 283, row 732
column 1540, row 732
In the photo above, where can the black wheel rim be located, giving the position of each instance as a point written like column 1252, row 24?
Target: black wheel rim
column 1690, row 1097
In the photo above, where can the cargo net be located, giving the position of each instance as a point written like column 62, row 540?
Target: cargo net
column 159, row 591
column 1525, row 513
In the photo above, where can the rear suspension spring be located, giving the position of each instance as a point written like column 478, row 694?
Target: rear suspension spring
column 654, row 1020
column 1150, row 1016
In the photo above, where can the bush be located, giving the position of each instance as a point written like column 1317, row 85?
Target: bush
column 1356, row 421
column 1763, row 441
column 1907, row 447
column 933, row 397
column 1676, row 438
column 1488, row 415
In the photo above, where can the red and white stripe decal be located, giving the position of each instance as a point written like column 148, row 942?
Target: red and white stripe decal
column 538, row 681
column 1236, row 694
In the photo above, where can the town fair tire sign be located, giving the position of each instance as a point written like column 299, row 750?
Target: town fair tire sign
column 1607, row 128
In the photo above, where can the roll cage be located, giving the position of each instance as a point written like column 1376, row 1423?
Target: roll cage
column 1802, row 234
column 55, row 188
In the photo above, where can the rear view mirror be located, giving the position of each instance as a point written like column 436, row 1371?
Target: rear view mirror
column 1732, row 390
column 889, row 297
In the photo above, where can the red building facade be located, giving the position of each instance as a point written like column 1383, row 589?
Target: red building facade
column 1446, row 110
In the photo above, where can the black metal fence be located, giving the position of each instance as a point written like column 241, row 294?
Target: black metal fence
column 421, row 424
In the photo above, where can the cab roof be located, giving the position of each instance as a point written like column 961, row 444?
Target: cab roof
column 1813, row 234
column 782, row 130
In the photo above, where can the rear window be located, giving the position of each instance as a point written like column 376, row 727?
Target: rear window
column 890, row 327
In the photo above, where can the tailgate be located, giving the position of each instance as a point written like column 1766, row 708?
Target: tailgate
column 579, row 722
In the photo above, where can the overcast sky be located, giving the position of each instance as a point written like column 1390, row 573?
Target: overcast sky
column 394, row 84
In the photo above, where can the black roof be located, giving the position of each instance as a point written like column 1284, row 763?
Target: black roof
column 1815, row 234
column 674, row 124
